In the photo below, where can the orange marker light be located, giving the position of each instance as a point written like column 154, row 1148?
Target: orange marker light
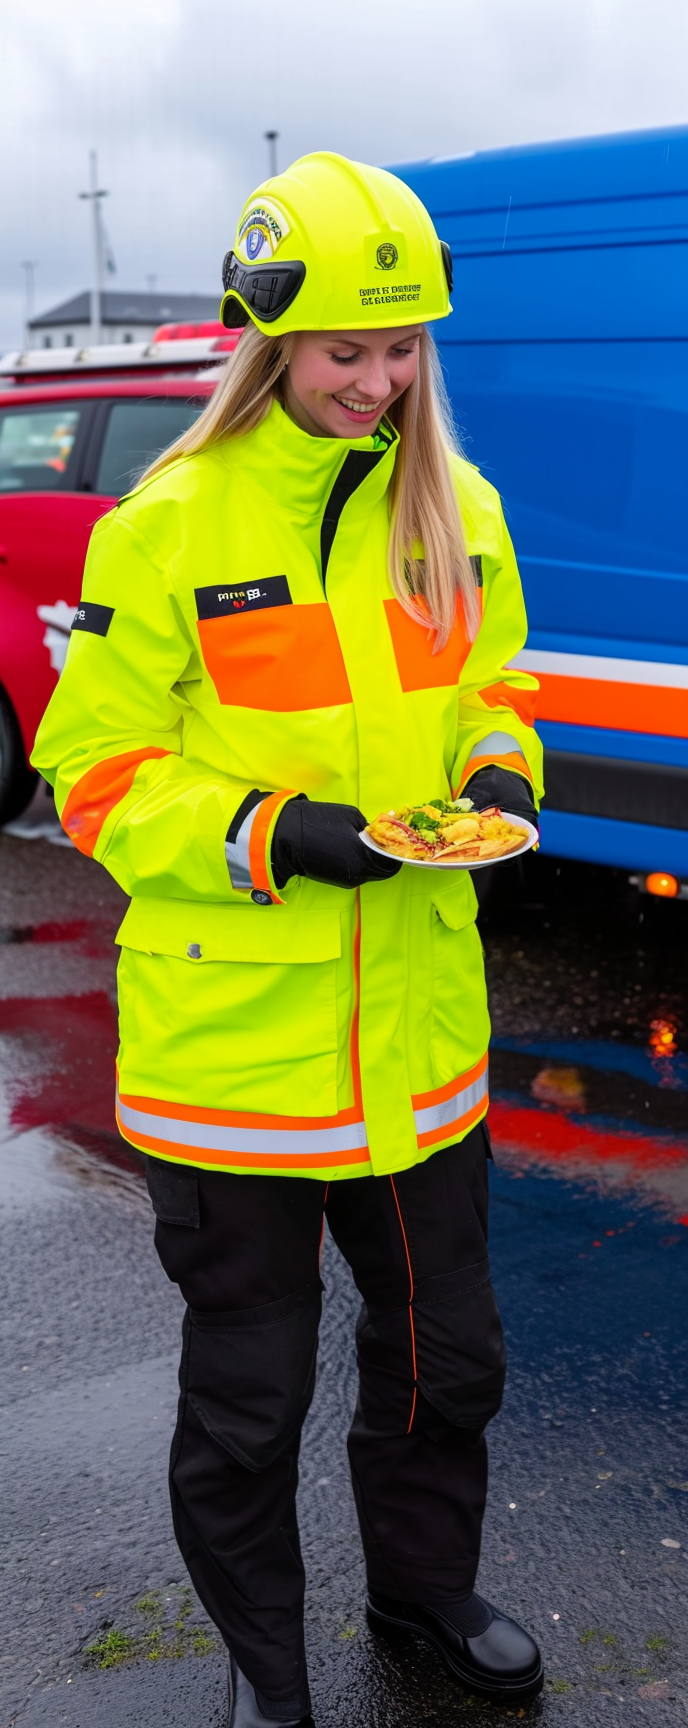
column 659, row 883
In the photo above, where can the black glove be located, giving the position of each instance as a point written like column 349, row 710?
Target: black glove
column 500, row 786
column 321, row 841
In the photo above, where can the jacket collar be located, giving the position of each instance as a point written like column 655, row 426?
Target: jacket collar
column 303, row 469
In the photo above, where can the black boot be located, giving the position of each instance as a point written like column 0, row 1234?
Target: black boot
column 249, row 1709
column 482, row 1648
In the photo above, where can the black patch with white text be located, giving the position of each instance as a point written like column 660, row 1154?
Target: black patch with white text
column 230, row 601
column 91, row 616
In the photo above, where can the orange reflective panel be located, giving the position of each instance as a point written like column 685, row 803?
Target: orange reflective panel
column 418, row 667
column 281, row 659
column 96, row 794
column 523, row 702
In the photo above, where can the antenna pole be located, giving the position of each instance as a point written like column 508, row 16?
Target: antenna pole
column 93, row 197
column 271, row 140
column 29, row 268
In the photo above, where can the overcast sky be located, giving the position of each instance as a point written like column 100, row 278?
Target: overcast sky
column 176, row 95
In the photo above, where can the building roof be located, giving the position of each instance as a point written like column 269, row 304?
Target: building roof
column 122, row 308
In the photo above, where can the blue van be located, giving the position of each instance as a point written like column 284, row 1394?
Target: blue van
column 567, row 364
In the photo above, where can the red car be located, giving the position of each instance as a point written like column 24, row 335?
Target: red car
column 68, row 450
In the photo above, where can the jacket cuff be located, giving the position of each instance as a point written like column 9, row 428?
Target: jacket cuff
column 249, row 842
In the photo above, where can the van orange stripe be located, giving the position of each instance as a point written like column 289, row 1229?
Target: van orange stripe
column 522, row 702
column 182, row 1154
column 650, row 708
column 258, row 840
column 97, row 792
column 420, row 1100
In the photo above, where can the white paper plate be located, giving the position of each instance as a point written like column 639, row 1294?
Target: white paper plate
column 530, row 838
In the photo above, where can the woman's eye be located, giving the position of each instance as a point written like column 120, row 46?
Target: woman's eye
column 343, row 359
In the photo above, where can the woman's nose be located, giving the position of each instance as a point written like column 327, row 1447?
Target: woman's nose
column 373, row 383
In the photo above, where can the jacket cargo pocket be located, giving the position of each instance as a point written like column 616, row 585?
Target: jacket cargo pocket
column 460, row 1027
column 233, row 1008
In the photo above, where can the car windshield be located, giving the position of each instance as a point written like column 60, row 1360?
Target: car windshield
column 35, row 447
column 137, row 432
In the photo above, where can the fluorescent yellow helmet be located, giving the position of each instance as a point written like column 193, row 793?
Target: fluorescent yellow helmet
column 335, row 245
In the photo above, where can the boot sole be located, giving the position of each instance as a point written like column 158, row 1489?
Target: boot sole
column 502, row 1691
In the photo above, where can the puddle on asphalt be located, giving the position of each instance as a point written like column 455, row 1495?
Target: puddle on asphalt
column 589, row 1082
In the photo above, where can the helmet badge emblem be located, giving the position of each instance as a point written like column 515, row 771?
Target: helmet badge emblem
column 387, row 255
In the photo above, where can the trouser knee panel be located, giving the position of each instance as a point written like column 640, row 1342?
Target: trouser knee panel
column 449, row 1341
column 249, row 1374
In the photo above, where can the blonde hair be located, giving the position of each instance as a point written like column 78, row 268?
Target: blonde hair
column 423, row 505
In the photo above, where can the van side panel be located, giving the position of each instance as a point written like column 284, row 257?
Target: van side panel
column 566, row 359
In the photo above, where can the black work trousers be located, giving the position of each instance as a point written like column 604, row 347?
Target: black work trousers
column 245, row 1253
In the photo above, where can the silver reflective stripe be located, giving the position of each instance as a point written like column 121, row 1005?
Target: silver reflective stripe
column 612, row 670
column 262, row 1142
column 451, row 1110
column 496, row 744
column 236, row 852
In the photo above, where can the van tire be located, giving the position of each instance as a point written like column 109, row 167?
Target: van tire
column 17, row 780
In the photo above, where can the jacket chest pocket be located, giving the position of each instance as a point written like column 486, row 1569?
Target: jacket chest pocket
column 234, row 1008
column 282, row 659
column 418, row 667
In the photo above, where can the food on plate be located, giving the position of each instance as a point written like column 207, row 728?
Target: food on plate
column 442, row 831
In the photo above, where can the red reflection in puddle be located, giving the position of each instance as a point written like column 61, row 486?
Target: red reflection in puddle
column 69, row 1087
column 88, row 933
column 656, row 1167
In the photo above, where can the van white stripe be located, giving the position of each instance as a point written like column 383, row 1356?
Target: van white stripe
column 451, row 1109
column 496, row 744
column 236, row 852
column 613, row 671
column 262, row 1142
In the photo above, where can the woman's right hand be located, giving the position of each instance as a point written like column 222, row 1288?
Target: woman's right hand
column 322, row 841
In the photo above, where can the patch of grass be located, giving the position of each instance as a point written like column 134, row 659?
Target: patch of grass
column 149, row 1604
column 348, row 1631
column 111, row 1649
column 560, row 1686
column 165, row 1630
column 609, row 1638
column 587, row 1635
column 202, row 1644
column 657, row 1642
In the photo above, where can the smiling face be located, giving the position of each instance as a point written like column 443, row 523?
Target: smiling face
column 338, row 384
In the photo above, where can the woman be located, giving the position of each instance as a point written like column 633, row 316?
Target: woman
column 305, row 614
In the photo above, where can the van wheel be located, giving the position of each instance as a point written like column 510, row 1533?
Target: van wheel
column 17, row 781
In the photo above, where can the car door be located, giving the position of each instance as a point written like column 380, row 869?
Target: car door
column 62, row 466
column 45, row 524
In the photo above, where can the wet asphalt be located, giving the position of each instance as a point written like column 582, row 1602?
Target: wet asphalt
column 586, row 1537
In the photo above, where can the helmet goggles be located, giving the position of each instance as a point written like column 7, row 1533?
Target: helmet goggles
column 267, row 290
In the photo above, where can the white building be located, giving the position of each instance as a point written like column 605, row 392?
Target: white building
column 123, row 317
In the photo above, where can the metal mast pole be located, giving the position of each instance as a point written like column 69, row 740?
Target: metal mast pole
column 93, row 197
column 28, row 266
column 271, row 139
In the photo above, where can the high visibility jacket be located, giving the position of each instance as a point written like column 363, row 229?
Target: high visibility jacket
column 239, row 641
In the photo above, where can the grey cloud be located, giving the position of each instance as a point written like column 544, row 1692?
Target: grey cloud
column 176, row 96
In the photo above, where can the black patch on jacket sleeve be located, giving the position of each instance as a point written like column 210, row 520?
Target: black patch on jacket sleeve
column 477, row 566
column 91, row 616
column 230, row 600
